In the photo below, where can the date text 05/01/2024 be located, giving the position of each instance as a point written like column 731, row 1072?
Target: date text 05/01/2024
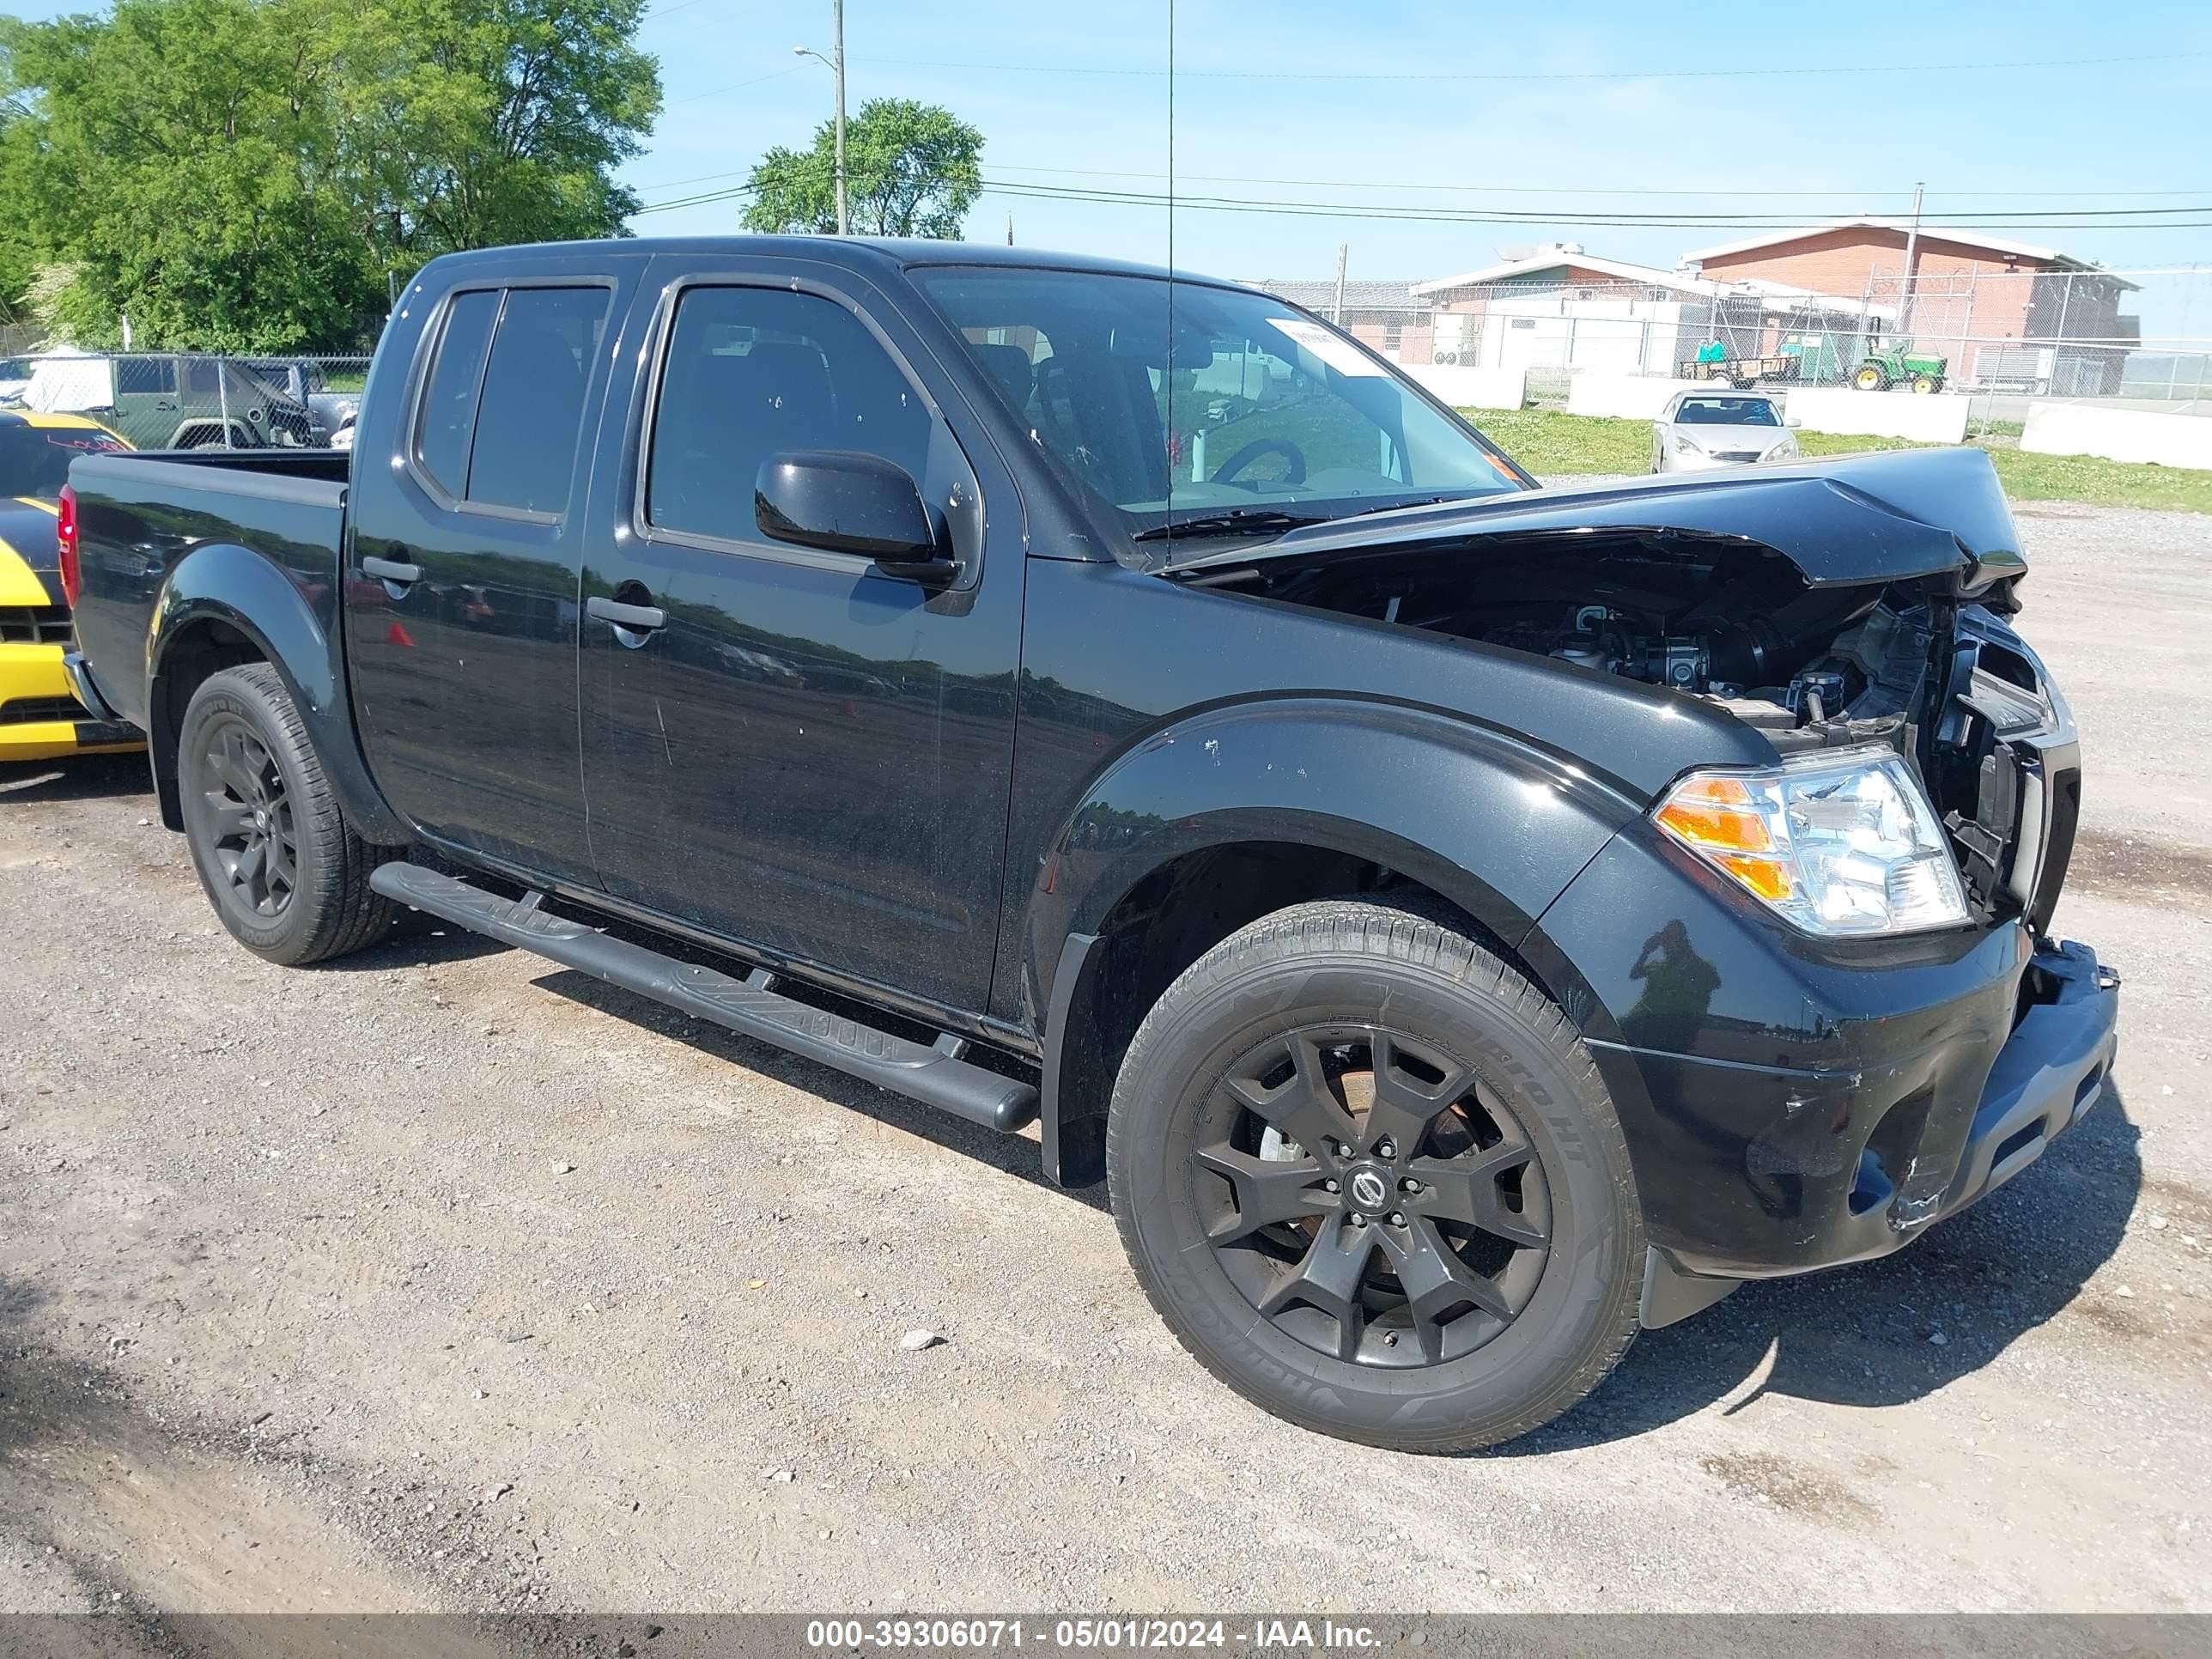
column 1086, row 1635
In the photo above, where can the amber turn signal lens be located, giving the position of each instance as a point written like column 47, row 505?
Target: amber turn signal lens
column 1716, row 815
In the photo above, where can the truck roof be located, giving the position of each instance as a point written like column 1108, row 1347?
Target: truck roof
column 882, row 254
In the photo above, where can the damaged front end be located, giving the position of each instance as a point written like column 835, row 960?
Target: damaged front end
column 1827, row 606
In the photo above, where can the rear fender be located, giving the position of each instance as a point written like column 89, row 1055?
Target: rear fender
column 227, row 583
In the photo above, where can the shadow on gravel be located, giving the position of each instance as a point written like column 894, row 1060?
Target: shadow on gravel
column 1014, row 1155
column 77, row 777
column 1883, row 1333
column 416, row 938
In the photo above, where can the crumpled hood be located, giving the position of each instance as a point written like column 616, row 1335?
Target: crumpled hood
column 30, row 553
column 1858, row 519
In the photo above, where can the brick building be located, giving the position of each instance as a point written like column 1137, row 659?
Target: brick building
column 2002, row 311
column 1387, row 316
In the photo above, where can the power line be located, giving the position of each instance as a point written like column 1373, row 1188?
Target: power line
column 2059, row 219
column 1789, row 70
column 1579, row 189
column 736, row 86
column 700, row 200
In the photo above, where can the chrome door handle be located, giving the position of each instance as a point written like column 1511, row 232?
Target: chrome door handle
column 390, row 570
column 636, row 618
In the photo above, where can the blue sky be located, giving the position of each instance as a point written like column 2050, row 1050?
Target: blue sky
column 1072, row 96
column 2076, row 134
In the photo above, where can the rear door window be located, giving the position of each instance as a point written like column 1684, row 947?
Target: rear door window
column 504, row 406
column 531, row 408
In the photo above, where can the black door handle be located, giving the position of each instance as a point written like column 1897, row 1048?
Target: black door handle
column 390, row 570
column 636, row 618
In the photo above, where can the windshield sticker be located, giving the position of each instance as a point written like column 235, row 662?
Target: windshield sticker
column 1339, row 354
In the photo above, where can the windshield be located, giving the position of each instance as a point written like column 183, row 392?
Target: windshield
column 1245, row 405
column 34, row 459
column 1727, row 411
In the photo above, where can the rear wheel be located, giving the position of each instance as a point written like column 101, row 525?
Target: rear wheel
column 1370, row 1178
column 278, row 861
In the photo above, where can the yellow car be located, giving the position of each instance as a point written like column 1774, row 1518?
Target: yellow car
column 40, row 718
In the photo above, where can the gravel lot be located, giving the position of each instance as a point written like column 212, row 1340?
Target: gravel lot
column 443, row 1279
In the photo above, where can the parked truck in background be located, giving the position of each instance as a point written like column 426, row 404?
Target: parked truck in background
column 1462, row 923
column 174, row 400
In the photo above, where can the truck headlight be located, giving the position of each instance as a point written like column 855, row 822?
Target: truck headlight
column 1841, row 843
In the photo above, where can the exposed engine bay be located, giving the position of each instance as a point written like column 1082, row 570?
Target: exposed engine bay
column 1911, row 665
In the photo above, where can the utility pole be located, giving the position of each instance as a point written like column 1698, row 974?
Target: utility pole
column 837, row 16
column 836, row 60
column 1911, row 258
column 1336, row 312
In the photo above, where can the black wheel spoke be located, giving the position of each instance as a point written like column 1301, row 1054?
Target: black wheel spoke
column 1466, row 1189
column 1328, row 1278
column 1404, row 1105
column 1302, row 1107
column 227, row 819
column 1436, row 1281
column 1268, row 1191
column 227, row 764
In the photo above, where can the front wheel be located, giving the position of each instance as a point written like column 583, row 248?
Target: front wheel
column 284, row 871
column 1926, row 385
column 1869, row 378
column 1370, row 1178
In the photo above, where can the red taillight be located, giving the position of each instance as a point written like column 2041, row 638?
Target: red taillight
column 65, row 533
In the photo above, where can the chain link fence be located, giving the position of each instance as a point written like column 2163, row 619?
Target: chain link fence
column 194, row 400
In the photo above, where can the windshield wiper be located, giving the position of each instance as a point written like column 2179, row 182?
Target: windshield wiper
column 1236, row 521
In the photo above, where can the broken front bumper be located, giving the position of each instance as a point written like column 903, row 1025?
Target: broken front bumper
column 2050, row 1072
column 1792, row 1103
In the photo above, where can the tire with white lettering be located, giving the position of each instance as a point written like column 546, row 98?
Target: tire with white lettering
column 1371, row 1179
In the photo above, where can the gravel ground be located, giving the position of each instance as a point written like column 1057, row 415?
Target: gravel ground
column 443, row 1279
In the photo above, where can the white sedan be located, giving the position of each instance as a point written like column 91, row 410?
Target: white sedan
column 1697, row 430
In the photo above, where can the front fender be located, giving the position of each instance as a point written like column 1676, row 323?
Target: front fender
column 1494, row 823
column 228, row 583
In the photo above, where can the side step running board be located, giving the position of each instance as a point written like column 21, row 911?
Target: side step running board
column 936, row 1076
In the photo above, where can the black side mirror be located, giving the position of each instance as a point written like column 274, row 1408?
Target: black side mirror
column 845, row 501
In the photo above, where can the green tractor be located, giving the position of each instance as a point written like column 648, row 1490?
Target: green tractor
column 1893, row 362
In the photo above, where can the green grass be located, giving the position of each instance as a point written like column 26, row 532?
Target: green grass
column 1550, row 443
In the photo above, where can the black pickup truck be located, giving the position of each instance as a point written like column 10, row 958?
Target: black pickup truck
column 1463, row 922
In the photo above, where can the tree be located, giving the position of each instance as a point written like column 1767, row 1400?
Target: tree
column 473, row 123
column 246, row 174
column 911, row 169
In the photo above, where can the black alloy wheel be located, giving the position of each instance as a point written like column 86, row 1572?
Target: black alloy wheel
column 247, row 818
column 287, row 874
column 1373, row 1181
column 1373, row 1201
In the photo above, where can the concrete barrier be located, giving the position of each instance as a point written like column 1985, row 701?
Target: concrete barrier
column 1464, row 386
column 1624, row 396
column 1940, row 419
column 2118, row 434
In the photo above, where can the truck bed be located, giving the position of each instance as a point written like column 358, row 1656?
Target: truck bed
column 140, row 512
